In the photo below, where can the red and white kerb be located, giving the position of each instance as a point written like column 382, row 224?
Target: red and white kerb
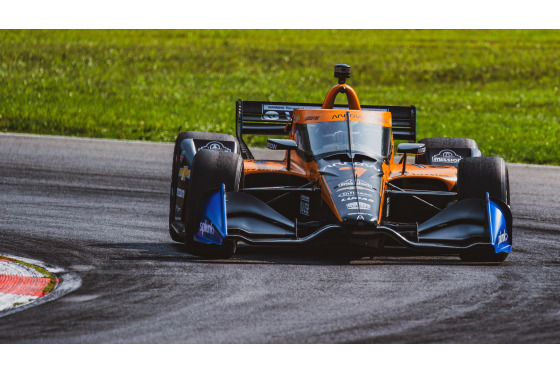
column 19, row 284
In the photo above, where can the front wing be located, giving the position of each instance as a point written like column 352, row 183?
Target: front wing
column 461, row 226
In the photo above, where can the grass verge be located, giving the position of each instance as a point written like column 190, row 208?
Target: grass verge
column 499, row 87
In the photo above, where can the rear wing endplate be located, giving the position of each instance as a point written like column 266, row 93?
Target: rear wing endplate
column 270, row 118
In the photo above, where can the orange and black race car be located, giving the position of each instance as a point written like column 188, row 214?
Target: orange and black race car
column 338, row 183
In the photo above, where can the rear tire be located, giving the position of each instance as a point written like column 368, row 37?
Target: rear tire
column 210, row 170
column 451, row 143
column 475, row 177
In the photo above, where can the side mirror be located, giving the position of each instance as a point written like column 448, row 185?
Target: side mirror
column 281, row 144
column 410, row 148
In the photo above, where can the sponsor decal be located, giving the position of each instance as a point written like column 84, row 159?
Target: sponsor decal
column 311, row 118
column 355, row 198
column 216, row 146
column 272, row 112
column 271, row 115
column 345, row 164
column 304, row 205
column 355, row 205
column 178, row 209
column 177, row 218
column 206, row 227
column 364, row 184
column 343, row 115
column 503, row 237
column 352, row 187
column 284, row 108
column 360, row 214
column 347, row 193
column 184, row 173
column 353, row 193
column 271, row 145
column 447, row 156
column 347, row 182
column 180, row 193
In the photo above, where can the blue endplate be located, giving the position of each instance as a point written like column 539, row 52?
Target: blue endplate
column 212, row 227
column 499, row 234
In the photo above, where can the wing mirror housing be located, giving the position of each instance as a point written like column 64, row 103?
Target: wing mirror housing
column 410, row 148
column 282, row 145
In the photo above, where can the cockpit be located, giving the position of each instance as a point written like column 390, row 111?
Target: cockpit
column 320, row 139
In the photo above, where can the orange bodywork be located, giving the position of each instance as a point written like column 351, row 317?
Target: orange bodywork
column 309, row 170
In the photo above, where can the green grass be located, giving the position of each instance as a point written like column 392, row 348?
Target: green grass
column 500, row 88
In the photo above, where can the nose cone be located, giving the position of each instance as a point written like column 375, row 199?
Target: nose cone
column 355, row 189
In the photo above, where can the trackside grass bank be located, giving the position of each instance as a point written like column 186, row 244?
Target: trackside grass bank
column 500, row 88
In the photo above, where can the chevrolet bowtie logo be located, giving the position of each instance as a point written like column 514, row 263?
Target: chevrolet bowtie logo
column 184, row 173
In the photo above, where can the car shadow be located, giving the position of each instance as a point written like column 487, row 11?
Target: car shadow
column 292, row 255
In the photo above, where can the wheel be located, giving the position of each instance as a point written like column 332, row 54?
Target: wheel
column 463, row 146
column 475, row 177
column 210, row 170
column 177, row 204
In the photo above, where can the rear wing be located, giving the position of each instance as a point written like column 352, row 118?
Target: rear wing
column 270, row 118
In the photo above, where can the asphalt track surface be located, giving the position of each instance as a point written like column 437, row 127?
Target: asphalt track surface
column 99, row 209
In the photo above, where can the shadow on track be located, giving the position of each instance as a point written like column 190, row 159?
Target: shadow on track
column 293, row 255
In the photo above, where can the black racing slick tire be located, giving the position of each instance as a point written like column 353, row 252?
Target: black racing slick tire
column 174, row 209
column 478, row 175
column 475, row 177
column 210, row 170
column 449, row 143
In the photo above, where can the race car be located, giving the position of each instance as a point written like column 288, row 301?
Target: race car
column 340, row 182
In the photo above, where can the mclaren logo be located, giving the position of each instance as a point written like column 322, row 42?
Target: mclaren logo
column 447, row 156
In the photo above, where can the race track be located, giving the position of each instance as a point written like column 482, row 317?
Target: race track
column 99, row 209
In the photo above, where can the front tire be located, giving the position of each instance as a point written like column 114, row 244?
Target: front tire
column 475, row 177
column 177, row 206
column 210, row 170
